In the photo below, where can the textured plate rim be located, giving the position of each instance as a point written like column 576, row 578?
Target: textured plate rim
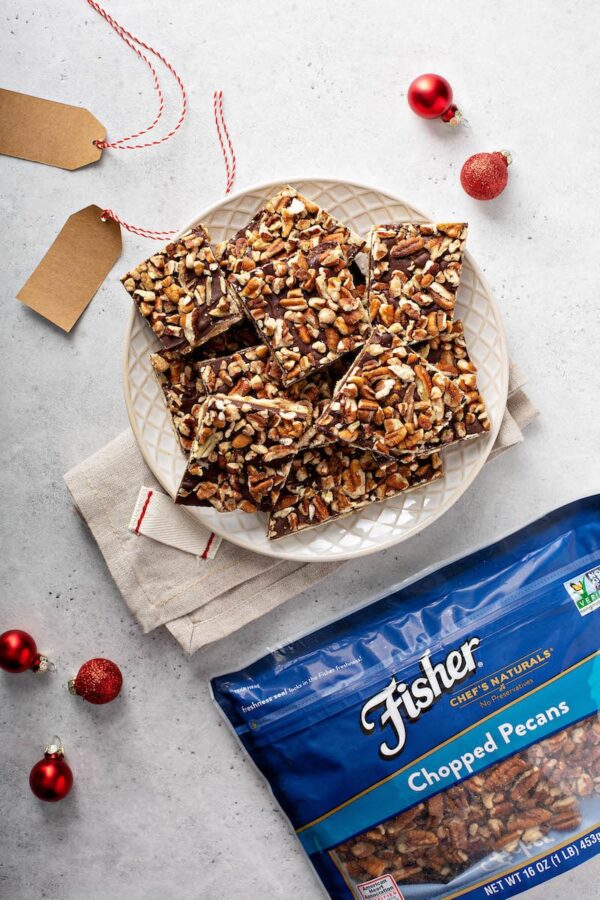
column 276, row 549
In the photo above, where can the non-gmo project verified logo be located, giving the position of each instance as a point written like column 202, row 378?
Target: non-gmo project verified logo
column 584, row 591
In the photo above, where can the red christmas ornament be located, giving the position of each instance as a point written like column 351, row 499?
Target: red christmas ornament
column 485, row 175
column 18, row 653
column 98, row 681
column 430, row 96
column 51, row 778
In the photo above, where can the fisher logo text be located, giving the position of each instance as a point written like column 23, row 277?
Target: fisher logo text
column 399, row 701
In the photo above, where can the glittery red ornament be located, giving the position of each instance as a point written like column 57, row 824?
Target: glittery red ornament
column 485, row 175
column 430, row 96
column 98, row 681
column 18, row 653
column 51, row 778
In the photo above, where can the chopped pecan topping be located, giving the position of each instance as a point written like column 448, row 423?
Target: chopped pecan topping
column 448, row 353
column 307, row 309
column 286, row 223
column 414, row 272
column 391, row 401
column 247, row 373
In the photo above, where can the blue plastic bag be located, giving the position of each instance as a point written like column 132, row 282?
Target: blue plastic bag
column 443, row 741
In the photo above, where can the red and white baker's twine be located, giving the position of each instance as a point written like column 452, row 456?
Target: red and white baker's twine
column 123, row 143
column 142, row 232
column 131, row 40
column 230, row 164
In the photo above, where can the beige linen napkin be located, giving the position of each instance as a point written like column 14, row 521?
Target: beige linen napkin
column 203, row 600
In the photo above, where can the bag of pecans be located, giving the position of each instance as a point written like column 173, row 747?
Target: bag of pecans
column 444, row 740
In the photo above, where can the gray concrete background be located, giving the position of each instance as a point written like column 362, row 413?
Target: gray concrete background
column 165, row 805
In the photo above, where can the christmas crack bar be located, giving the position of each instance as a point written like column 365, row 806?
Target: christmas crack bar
column 448, row 353
column 242, row 453
column 307, row 309
column 414, row 273
column 391, row 401
column 249, row 372
column 253, row 373
column 326, row 483
column 285, row 223
column 182, row 292
column 179, row 377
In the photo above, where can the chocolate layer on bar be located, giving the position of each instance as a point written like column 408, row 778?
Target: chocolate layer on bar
column 242, row 453
column 241, row 335
column 307, row 309
column 182, row 292
column 391, row 401
column 328, row 482
column 285, row 223
column 414, row 272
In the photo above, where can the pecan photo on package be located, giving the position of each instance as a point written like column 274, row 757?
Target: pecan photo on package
column 514, row 802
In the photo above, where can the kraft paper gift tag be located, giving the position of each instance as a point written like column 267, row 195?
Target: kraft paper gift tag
column 43, row 131
column 74, row 267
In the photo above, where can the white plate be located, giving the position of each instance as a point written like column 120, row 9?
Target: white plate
column 379, row 525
